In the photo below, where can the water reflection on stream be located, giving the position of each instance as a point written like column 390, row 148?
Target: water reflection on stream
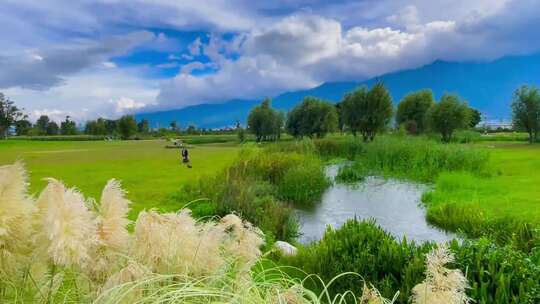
column 394, row 204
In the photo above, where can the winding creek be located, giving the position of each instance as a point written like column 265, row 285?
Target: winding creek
column 394, row 204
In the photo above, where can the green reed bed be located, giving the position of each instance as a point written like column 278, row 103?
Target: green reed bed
column 421, row 159
column 262, row 186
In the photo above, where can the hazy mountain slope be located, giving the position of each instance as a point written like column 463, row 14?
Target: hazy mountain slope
column 487, row 86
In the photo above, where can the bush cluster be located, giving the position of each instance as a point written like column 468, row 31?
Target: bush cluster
column 495, row 274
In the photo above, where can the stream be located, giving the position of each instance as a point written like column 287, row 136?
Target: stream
column 394, row 204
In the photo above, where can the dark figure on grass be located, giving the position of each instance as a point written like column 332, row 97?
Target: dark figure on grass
column 185, row 157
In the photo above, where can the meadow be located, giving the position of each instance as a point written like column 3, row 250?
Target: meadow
column 149, row 172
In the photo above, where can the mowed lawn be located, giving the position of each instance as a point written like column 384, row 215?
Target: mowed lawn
column 148, row 171
column 512, row 190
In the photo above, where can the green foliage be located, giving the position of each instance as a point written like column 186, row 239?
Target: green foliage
column 127, row 126
column 143, row 126
column 498, row 274
column 52, row 128
column 41, row 124
column 495, row 274
column 366, row 249
column 241, row 133
column 68, row 127
column 471, row 220
column 526, row 111
column 421, row 159
column 476, row 117
column 265, row 122
column 96, row 127
column 23, row 127
column 9, row 114
column 448, row 115
column 313, row 118
column 352, row 173
column 258, row 186
column 303, row 184
column 412, row 110
column 466, row 136
column 367, row 112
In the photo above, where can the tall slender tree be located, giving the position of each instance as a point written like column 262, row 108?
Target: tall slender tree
column 368, row 112
column 526, row 111
column 9, row 115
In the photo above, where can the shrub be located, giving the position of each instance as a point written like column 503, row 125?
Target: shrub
column 352, row 173
column 495, row 274
column 303, row 184
column 366, row 249
column 498, row 274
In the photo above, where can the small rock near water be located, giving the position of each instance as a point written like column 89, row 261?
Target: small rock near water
column 286, row 248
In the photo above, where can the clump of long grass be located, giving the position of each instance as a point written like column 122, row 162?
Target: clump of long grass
column 422, row 159
column 442, row 285
column 16, row 209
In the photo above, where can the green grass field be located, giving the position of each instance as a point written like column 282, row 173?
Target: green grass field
column 148, row 171
column 151, row 174
column 512, row 190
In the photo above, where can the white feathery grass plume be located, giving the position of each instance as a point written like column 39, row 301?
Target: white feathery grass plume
column 112, row 219
column 244, row 241
column 166, row 243
column 442, row 285
column 68, row 227
column 371, row 296
column 16, row 209
column 113, row 236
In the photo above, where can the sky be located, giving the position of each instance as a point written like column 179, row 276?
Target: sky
column 107, row 58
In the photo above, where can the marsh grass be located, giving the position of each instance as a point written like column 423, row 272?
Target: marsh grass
column 421, row 159
column 262, row 185
column 352, row 173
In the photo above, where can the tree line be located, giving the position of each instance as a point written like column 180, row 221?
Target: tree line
column 366, row 112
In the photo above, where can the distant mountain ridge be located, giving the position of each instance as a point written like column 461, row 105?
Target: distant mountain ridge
column 486, row 86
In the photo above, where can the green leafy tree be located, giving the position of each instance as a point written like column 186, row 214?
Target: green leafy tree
column 341, row 122
column 526, row 111
column 52, row 128
column 368, row 112
column 191, row 129
column 241, row 133
column 41, row 124
column 265, row 122
column 174, row 126
column 23, row 127
column 111, row 125
column 412, row 109
column 476, row 117
column 127, row 126
column 448, row 115
column 95, row 127
column 143, row 126
column 9, row 114
column 68, row 127
column 312, row 117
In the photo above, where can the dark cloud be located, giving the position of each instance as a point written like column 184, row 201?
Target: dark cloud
column 42, row 69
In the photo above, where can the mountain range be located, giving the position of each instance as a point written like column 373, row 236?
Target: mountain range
column 487, row 86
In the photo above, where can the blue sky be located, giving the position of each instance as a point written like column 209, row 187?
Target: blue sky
column 110, row 57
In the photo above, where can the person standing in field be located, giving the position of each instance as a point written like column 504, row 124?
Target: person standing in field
column 185, row 157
